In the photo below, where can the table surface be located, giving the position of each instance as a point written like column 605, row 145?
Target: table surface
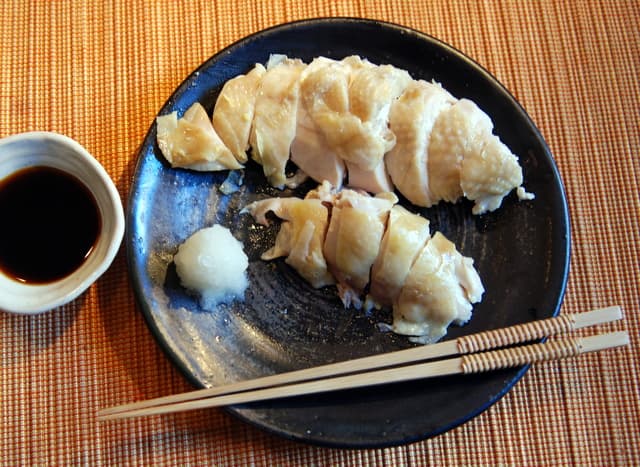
column 100, row 71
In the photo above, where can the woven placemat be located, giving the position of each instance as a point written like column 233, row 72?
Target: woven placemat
column 100, row 71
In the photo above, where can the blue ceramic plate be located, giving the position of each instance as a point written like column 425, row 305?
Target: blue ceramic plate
column 521, row 252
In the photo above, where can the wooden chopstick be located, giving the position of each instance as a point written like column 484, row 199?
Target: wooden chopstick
column 472, row 363
column 463, row 345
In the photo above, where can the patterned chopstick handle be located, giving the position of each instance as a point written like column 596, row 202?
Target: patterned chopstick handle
column 517, row 356
column 515, row 334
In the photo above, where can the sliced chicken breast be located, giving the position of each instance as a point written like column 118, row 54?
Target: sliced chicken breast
column 455, row 134
column 372, row 91
column 191, row 142
column 324, row 92
column 311, row 153
column 349, row 101
column 404, row 238
column 439, row 290
column 353, row 240
column 374, row 181
column 488, row 175
column 371, row 242
column 411, row 119
column 350, row 121
column 234, row 109
column 301, row 235
column 274, row 121
column 309, row 149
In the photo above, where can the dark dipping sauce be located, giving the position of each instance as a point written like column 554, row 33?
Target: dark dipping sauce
column 50, row 223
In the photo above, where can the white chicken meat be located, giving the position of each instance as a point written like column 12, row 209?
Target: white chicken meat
column 372, row 92
column 412, row 119
column 275, row 115
column 353, row 240
column 371, row 125
column 373, row 244
column 191, row 142
column 234, row 111
column 403, row 239
column 458, row 132
column 301, row 235
column 310, row 150
column 439, row 290
column 486, row 175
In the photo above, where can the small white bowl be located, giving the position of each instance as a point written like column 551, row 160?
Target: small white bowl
column 61, row 152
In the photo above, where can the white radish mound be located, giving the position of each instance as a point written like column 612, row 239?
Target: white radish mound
column 212, row 264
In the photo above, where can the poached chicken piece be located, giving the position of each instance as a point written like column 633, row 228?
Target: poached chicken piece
column 191, row 142
column 412, row 119
column 361, row 242
column 439, row 290
column 353, row 238
column 301, row 235
column 234, row 111
column 372, row 91
column 370, row 125
column 310, row 149
column 405, row 236
column 275, row 115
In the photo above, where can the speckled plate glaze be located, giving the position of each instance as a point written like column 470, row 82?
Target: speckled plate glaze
column 521, row 252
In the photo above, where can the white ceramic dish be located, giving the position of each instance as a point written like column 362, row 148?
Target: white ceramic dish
column 61, row 152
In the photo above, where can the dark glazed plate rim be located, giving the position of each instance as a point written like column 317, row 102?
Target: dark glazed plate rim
column 264, row 415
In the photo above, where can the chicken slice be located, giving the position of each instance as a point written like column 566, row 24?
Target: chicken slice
column 191, row 142
column 456, row 133
column 346, row 130
column 374, row 181
column 301, row 235
column 353, row 240
column 487, row 176
column 309, row 149
column 310, row 152
column 439, row 290
column 411, row 119
column 372, row 241
column 234, row 110
column 324, row 93
column 349, row 101
column 404, row 238
column 274, row 121
column 372, row 91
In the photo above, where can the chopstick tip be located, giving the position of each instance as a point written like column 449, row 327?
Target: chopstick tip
column 605, row 341
column 599, row 316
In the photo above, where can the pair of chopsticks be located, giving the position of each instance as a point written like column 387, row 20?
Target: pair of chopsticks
column 361, row 372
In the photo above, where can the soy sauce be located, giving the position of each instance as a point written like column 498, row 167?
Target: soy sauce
column 49, row 223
